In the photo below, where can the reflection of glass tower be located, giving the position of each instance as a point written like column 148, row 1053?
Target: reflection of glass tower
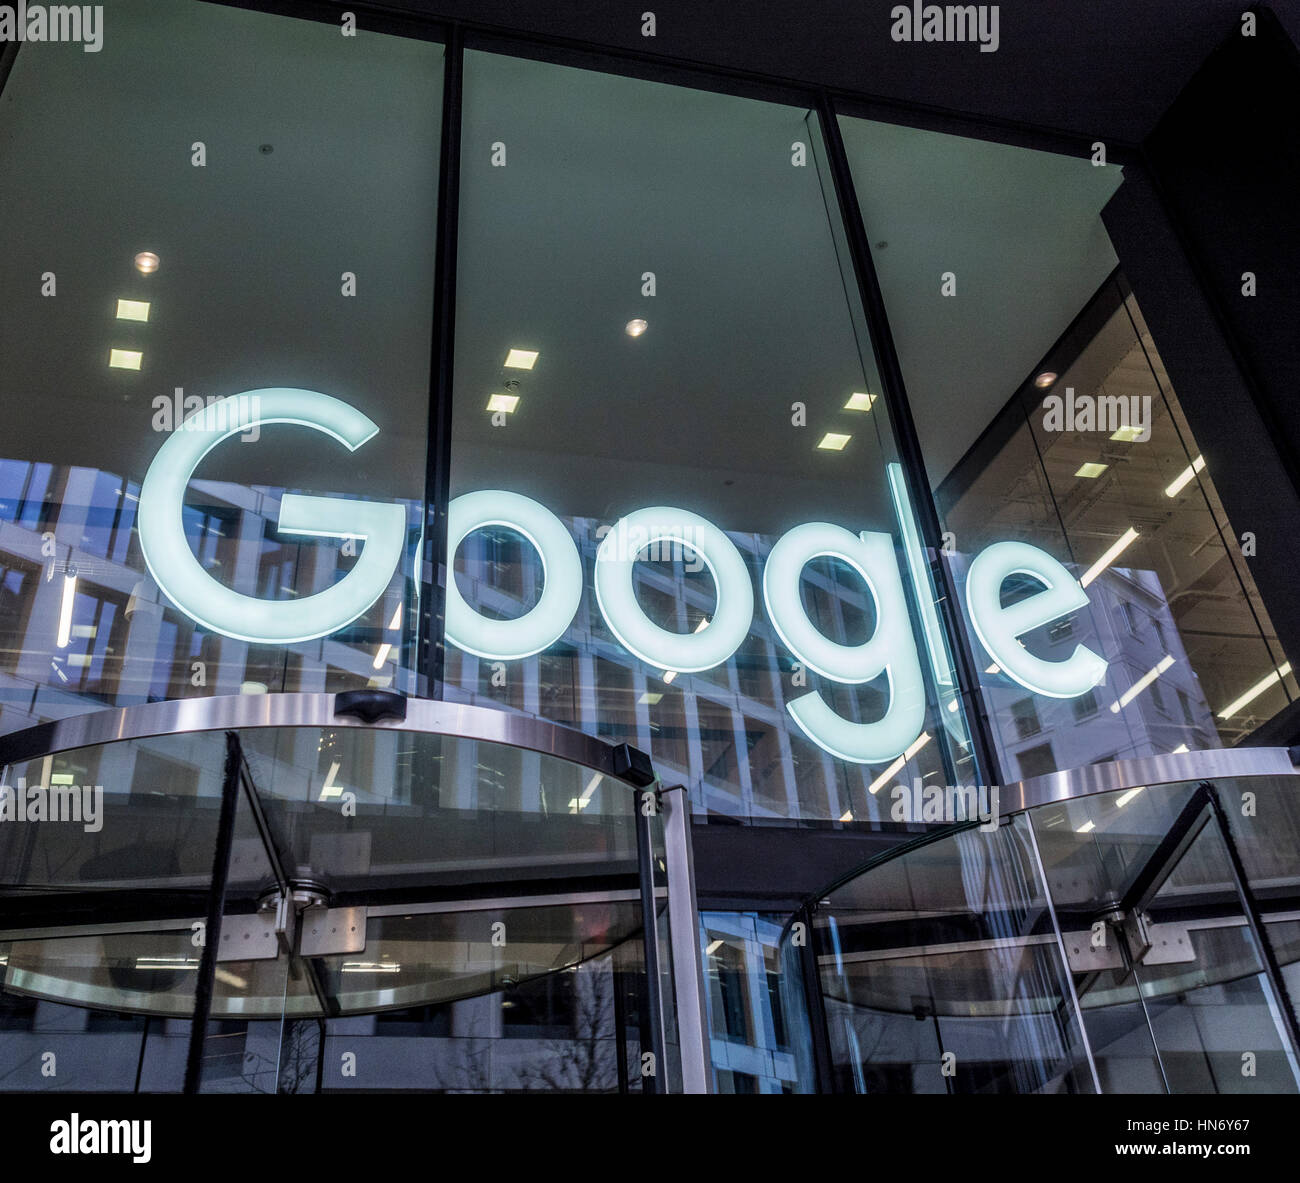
column 67, row 535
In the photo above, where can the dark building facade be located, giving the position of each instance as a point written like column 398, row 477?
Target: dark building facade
column 613, row 554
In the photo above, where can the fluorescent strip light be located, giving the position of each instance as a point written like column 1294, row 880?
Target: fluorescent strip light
column 893, row 769
column 714, row 946
column 329, row 789
column 396, row 622
column 1086, row 828
column 1141, row 684
column 65, row 611
column 669, row 675
column 1255, row 691
column 699, row 628
column 846, row 816
column 521, row 359
column 371, row 967
column 1116, row 549
column 382, row 656
column 583, row 801
column 224, row 975
column 133, row 310
column 1181, row 480
column 503, row 402
column 834, row 441
column 859, row 402
column 1182, row 747
column 1091, row 470
column 1125, row 798
column 994, row 669
column 125, row 359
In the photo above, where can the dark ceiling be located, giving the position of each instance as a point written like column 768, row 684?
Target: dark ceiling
column 1102, row 68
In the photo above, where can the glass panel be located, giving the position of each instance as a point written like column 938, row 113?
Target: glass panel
column 105, row 863
column 652, row 312
column 754, row 1046
column 1175, row 996
column 1065, row 434
column 479, row 895
column 941, row 973
column 291, row 206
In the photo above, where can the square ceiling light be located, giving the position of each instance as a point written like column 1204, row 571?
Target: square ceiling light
column 834, row 441
column 1091, row 470
column 503, row 402
column 859, row 402
column 125, row 359
column 133, row 310
column 521, row 359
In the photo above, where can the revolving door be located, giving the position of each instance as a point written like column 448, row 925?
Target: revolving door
column 1132, row 927
column 305, row 892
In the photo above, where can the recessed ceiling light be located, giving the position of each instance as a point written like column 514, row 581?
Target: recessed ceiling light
column 146, row 262
column 521, row 359
column 1127, row 435
column 1091, row 470
column 133, row 310
column 634, row 328
column 1045, row 379
column 125, row 359
column 859, row 402
column 252, row 688
column 503, row 402
column 833, row 441
column 650, row 698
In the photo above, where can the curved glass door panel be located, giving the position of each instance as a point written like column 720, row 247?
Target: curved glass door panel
column 1162, row 917
column 382, row 883
column 361, row 809
column 941, row 973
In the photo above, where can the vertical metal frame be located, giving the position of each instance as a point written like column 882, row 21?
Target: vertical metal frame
column 908, row 441
column 216, row 909
column 434, row 563
column 684, row 934
column 647, row 803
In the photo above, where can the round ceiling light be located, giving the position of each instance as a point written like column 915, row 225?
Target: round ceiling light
column 635, row 328
column 146, row 262
column 1045, row 379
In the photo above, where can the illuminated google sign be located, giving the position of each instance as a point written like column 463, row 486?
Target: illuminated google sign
column 890, row 651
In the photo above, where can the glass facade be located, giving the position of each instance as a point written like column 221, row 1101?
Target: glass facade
column 816, row 461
